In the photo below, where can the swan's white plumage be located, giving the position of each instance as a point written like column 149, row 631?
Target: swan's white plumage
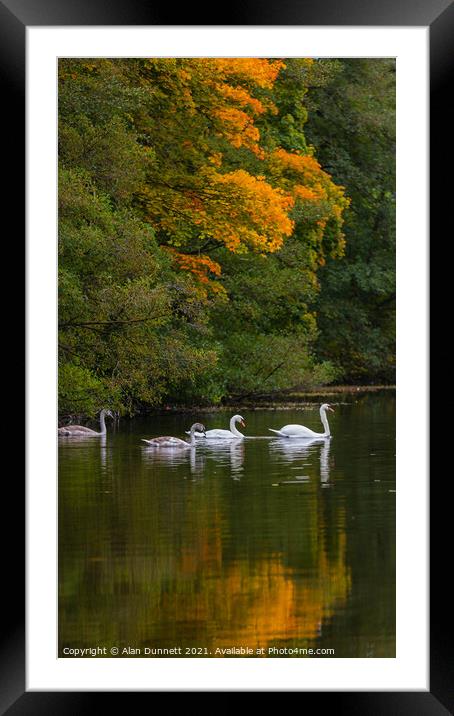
column 221, row 434
column 300, row 431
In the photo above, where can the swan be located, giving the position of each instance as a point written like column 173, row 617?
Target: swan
column 81, row 430
column 168, row 442
column 300, row 431
column 223, row 434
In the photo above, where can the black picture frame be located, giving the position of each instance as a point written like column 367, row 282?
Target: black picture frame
column 15, row 17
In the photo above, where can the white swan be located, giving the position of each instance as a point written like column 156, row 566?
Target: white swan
column 223, row 434
column 300, row 431
column 81, row 430
column 169, row 442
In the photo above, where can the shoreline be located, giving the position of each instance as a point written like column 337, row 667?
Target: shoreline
column 290, row 401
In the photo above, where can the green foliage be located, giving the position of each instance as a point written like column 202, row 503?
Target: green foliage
column 266, row 329
column 130, row 329
column 352, row 126
column 109, row 153
column 257, row 364
column 81, row 391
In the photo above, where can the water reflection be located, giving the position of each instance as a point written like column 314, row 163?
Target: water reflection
column 224, row 453
column 164, row 548
column 83, row 447
column 197, row 462
column 103, row 452
column 85, row 440
column 324, row 461
column 303, row 451
column 173, row 459
column 228, row 453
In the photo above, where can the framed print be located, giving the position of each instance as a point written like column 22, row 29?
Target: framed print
column 230, row 480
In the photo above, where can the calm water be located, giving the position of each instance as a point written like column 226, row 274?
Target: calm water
column 256, row 543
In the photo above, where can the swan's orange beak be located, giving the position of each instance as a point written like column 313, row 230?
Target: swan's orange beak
column 330, row 408
column 243, row 424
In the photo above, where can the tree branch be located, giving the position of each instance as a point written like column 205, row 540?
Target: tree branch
column 88, row 324
column 247, row 395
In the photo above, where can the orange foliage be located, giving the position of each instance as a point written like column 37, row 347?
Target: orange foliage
column 262, row 72
column 302, row 176
column 304, row 193
column 236, row 209
column 262, row 210
column 200, row 266
column 241, row 210
column 304, row 173
column 239, row 129
column 301, row 163
column 240, row 96
column 234, row 104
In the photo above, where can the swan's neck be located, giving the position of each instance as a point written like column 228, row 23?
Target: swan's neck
column 325, row 422
column 233, row 428
column 192, row 440
column 102, row 422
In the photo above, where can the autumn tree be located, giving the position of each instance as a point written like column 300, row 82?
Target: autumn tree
column 194, row 220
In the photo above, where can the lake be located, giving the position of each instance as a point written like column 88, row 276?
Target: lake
column 264, row 543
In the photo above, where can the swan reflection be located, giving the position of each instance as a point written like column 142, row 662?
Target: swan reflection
column 88, row 447
column 227, row 452
column 196, row 462
column 298, row 449
column 103, row 454
column 166, row 457
column 324, row 461
column 174, row 458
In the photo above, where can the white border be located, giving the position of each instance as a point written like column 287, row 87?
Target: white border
column 409, row 670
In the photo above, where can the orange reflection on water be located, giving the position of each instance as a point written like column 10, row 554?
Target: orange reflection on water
column 257, row 603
